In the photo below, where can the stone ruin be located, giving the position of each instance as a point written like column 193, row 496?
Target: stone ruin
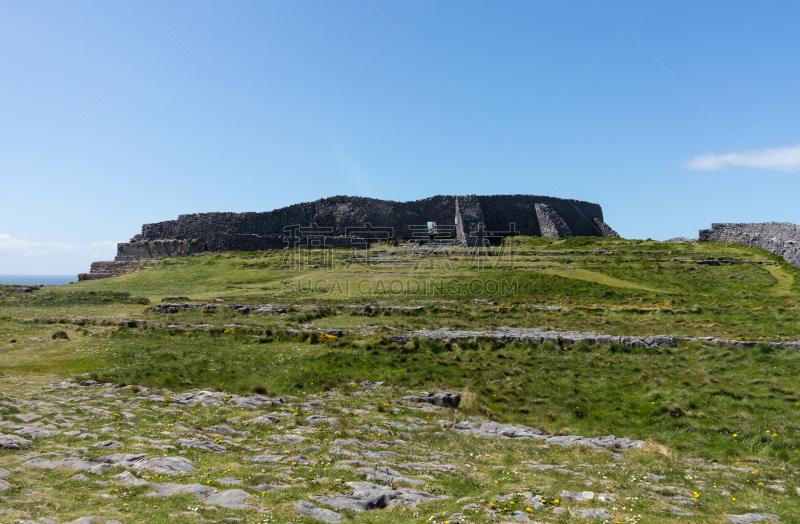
column 780, row 238
column 341, row 221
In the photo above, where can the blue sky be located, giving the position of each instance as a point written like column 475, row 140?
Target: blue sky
column 670, row 114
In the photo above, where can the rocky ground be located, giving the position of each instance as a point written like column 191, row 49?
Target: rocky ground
column 97, row 453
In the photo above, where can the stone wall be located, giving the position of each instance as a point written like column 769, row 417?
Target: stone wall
column 108, row 269
column 336, row 222
column 551, row 225
column 460, row 214
column 581, row 217
column 132, row 251
column 780, row 238
column 469, row 218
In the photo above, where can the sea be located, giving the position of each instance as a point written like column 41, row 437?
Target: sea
column 31, row 280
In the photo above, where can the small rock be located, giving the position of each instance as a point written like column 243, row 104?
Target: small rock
column 165, row 490
column 519, row 516
column 268, row 487
column 751, row 517
column 325, row 515
column 300, row 460
column 108, row 444
column 315, row 420
column 13, row 443
column 68, row 463
column 35, row 432
column 266, row 459
column 27, row 417
column 202, row 444
column 166, row 465
column 182, row 514
column 229, row 481
column 580, row 496
column 232, row 498
column 591, row 513
column 289, row 438
column 227, row 430
column 126, row 477
column 366, row 496
column 264, row 420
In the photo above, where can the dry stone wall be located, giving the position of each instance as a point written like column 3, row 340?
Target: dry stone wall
column 339, row 221
column 551, row 225
column 463, row 215
column 780, row 238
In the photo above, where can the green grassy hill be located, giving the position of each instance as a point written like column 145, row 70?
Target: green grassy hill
column 724, row 403
column 611, row 285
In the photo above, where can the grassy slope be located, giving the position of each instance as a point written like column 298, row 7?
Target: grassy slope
column 496, row 467
column 692, row 397
column 755, row 297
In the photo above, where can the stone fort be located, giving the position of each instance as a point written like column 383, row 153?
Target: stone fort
column 342, row 221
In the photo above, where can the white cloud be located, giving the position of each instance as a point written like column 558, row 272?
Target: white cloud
column 19, row 256
column 785, row 159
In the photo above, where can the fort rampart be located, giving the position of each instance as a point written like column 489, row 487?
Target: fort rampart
column 341, row 221
column 780, row 238
column 531, row 215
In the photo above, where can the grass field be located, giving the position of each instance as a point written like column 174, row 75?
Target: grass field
column 737, row 405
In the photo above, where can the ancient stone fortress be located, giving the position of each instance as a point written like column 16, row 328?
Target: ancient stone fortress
column 780, row 238
column 341, row 221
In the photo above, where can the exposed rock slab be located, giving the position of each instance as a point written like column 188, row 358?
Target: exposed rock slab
column 325, row 515
column 231, row 498
column 199, row 490
column 202, row 444
column 747, row 518
column 366, row 496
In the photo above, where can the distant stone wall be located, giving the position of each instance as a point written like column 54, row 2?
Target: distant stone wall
column 108, row 269
column 551, row 225
column 336, row 222
column 781, row 238
column 469, row 217
column 133, row 251
column 582, row 218
column 463, row 215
